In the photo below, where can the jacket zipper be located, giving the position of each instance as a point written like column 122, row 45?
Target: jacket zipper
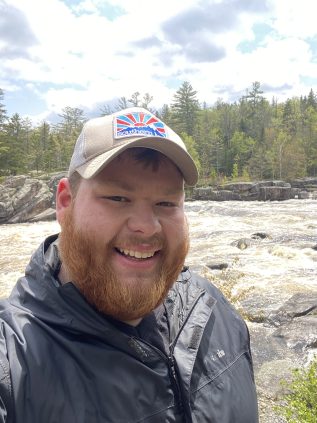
column 172, row 346
column 175, row 382
column 170, row 358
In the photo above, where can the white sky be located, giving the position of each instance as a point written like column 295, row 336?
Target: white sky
column 88, row 53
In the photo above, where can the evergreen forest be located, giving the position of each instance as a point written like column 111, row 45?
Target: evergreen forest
column 250, row 139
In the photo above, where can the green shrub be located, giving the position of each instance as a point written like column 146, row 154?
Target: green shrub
column 300, row 403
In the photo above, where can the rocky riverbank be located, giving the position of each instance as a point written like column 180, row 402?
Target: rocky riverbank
column 258, row 191
column 29, row 199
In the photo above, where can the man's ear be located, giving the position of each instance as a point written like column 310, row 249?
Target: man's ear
column 63, row 198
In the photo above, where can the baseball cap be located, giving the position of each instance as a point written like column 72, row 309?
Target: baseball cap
column 104, row 138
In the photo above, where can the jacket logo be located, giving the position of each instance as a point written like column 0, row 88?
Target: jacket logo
column 220, row 353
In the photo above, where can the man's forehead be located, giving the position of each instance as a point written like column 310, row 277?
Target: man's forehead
column 126, row 171
column 139, row 158
column 129, row 186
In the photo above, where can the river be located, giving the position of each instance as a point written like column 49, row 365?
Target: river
column 284, row 257
column 278, row 263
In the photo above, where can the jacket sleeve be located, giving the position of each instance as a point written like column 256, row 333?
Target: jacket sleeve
column 6, row 400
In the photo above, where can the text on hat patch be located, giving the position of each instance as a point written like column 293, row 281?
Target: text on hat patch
column 138, row 124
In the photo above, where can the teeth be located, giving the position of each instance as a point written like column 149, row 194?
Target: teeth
column 136, row 254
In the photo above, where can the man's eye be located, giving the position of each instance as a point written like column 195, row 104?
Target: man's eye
column 166, row 204
column 117, row 198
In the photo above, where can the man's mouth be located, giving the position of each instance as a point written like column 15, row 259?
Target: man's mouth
column 136, row 254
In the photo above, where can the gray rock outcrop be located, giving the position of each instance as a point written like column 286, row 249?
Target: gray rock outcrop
column 284, row 333
column 259, row 191
column 249, row 191
column 26, row 199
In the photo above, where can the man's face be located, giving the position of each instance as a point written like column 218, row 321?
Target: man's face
column 124, row 236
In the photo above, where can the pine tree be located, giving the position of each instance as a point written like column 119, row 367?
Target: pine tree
column 191, row 148
column 185, row 107
column 15, row 157
column 68, row 131
column 311, row 100
column 3, row 112
column 165, row 115
column 4, row 147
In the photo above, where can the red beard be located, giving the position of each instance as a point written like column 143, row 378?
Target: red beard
column 86, row 260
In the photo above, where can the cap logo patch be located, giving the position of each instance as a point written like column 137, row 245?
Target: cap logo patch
column 138, row 124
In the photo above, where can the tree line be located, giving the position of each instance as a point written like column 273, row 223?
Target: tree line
column 251, row 138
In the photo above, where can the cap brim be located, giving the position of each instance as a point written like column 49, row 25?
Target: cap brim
column 165, row 146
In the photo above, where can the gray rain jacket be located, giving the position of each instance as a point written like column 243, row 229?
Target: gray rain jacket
column 63, row 362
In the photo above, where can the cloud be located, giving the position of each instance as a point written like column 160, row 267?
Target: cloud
column 87, row 52
column 295, row 18
column 148, row 42
column 211, row 17
column 15, row 32
column 197, row 29
column 204, row 51
column 276, row 88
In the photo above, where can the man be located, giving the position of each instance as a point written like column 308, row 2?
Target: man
column 108, row 325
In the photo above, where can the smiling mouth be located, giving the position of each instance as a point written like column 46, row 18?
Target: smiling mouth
column 136, row 254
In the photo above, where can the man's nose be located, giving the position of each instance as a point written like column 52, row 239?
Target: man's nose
column 144, row 221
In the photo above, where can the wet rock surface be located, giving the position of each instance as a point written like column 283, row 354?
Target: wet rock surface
column 27, row 199
column 258, row 191
column 282, row 339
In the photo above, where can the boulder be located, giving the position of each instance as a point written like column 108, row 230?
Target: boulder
column 303, row 195
column 47, row 215
column 239, row 187
column 203, row 193
column 281, row 184
column 217, row 266
column 22, row 198
column 273, row 190
column 226, row 195
column 284, row 335
column 299, row 305
column 242, row 243
column 276, row 193
column 211, row 194
column 259, row 235
column 304, row 183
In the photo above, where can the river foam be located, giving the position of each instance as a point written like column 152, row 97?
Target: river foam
column 284, row 257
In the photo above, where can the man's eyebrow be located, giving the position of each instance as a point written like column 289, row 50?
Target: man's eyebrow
column 120, row 184
column 131, row 188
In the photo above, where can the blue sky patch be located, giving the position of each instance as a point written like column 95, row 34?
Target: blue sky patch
column 19, row 102
column 308, row 80
column 106, row 9
column 260, row 32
